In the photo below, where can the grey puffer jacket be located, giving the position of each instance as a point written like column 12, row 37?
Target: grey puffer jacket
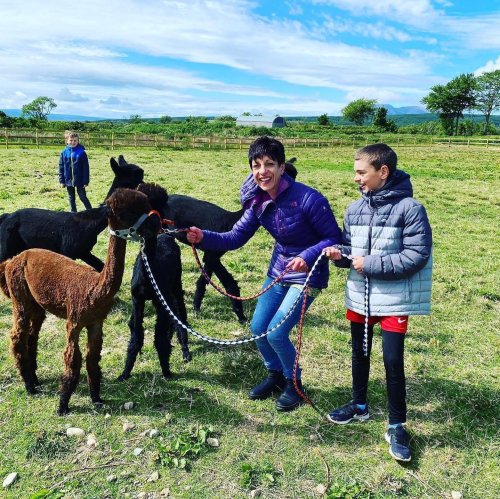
column 391, row 230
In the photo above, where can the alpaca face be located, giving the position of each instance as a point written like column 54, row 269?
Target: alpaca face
column 127, row 175
column 126, row 207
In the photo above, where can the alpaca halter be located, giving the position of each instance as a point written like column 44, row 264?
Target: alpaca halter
column 131, row 233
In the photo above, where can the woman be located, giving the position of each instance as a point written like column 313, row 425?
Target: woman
column 302, row 224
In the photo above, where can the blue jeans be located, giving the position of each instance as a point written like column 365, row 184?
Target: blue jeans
column 81, row 194
column 276, row 348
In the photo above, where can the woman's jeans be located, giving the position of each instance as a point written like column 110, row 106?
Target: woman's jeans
column 393, row 353
column 276, row 348
column 81, row 194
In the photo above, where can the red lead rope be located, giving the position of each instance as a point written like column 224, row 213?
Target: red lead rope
column 222, row 291
column 297, row 356
column 261, row 292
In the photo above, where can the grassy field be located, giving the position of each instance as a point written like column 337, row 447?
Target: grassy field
column 451, row 357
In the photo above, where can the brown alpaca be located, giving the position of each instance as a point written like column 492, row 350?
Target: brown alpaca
column 40, row 281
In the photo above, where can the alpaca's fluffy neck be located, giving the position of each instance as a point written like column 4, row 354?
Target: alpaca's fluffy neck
column 111, row 275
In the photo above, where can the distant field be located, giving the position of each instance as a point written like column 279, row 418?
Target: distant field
column 451, row 356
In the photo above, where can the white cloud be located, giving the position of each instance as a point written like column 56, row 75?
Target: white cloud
column 124, row 49
column 412, row 12
column 480, row 33
column 66, row 95
column 489, row 66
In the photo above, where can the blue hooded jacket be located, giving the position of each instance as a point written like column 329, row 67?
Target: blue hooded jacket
column 391, row 230
column 299, row 219
column 74, row 166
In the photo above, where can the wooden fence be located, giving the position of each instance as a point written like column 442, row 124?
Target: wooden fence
column 121, row 140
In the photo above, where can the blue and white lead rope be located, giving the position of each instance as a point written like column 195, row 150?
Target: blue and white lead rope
column 366, row 308
column 216, row 341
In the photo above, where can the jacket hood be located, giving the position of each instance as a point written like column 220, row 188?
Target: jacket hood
column 398, row 186
column 250, row 189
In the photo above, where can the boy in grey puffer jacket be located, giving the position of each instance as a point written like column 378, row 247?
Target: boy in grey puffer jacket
column 388, row 240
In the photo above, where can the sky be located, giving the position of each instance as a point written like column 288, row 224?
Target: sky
column 117, row 58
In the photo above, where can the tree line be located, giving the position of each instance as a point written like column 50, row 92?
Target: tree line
column 465, row 92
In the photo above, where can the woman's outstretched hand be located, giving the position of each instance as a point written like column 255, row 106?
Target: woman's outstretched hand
column 194, row 235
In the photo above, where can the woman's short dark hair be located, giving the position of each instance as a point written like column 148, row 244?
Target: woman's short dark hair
column 266, row 146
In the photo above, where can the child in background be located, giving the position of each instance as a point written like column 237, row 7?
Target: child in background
column 388, row 238
column 74, row 170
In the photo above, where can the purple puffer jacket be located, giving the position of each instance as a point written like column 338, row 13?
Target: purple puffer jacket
column 301, row 222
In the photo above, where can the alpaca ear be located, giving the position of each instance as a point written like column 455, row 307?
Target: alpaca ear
column 111, row 202
column 121, row 160
column 114, row 165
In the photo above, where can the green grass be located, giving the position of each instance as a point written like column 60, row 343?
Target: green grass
column 451, row 356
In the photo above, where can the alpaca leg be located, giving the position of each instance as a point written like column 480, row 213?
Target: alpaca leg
column 201, row 287
column 230, row 285
column 72, row 366
column 19, row 340
column 163, row 335
column 36, row 322
column 182, row 336
column 136, row 341
column 94, row 348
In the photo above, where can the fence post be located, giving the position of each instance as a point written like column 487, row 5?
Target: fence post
column 468, row 143
column 112, row 141
column 487, row 143
column 36, row 139
column 225, row 142
column 353, row 143
column 6, row 138
column 449, row 142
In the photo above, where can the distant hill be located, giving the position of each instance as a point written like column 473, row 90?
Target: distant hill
column 404, row 110
column 16, row 113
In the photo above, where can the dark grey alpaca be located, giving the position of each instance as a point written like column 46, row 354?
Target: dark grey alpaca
column 164, row 258
column 186, row 211
column 70, row 234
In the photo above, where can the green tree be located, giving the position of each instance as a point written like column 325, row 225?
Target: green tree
column 488, row 95
column 227, row 118
column 39, row 109
column 451, row 100
column 359, row 110
column 165, row 119
column 135, row 118
column 323, row 120
column 5, row 120
column 382, row 123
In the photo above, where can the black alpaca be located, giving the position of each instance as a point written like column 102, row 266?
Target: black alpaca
column 70, row 234
column 186, row 211
column 164, row 257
